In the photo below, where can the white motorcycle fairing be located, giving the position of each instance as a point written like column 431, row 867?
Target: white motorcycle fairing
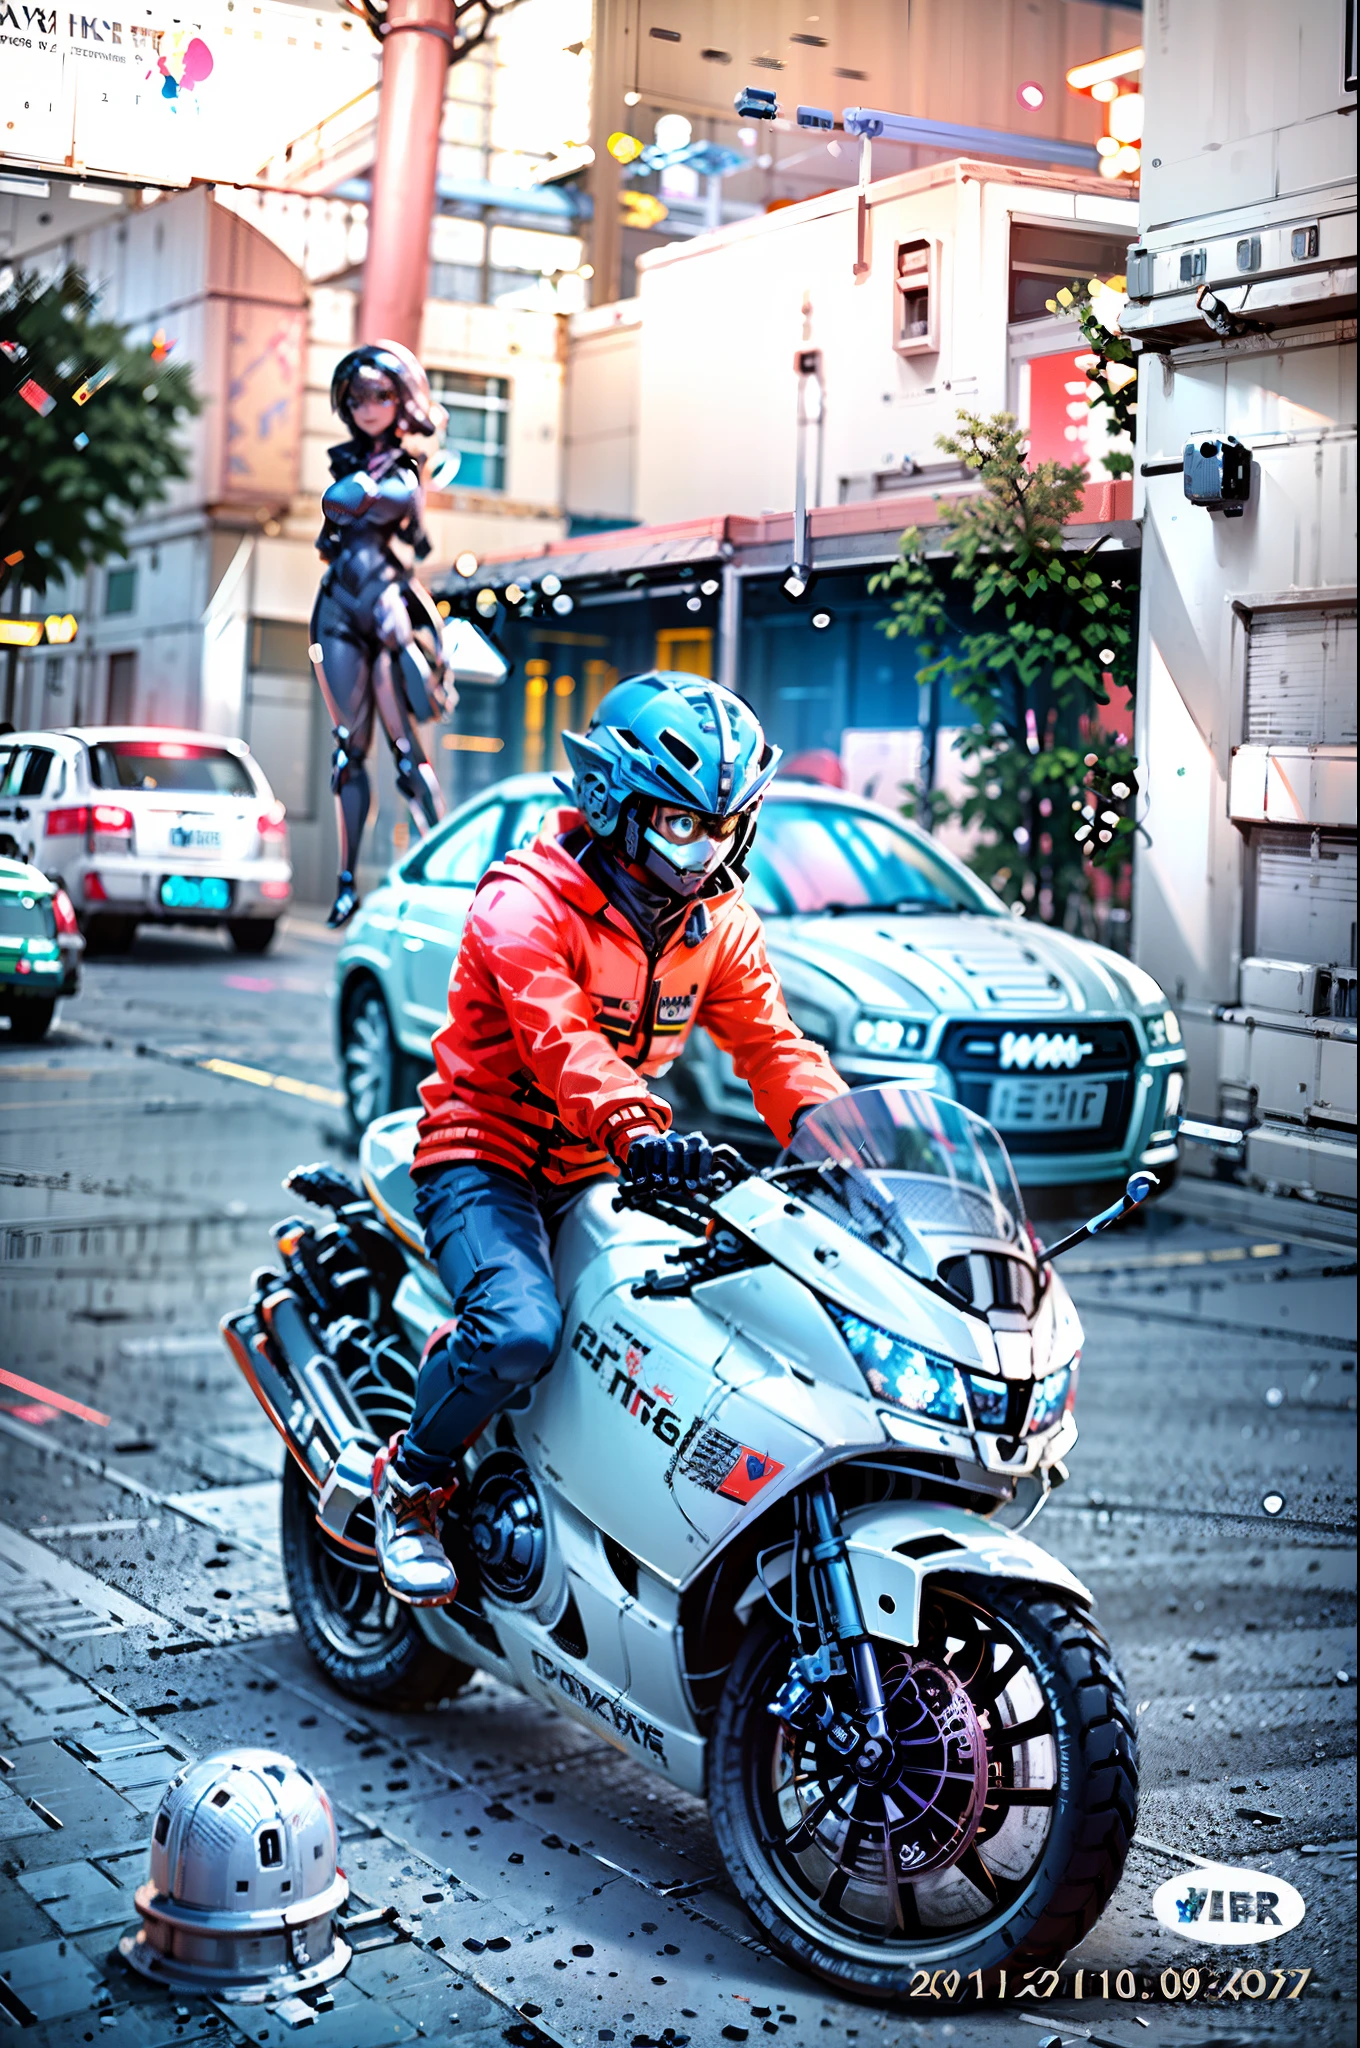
column 667, row 1427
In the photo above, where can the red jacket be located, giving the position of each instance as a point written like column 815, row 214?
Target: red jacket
column 557, row 1022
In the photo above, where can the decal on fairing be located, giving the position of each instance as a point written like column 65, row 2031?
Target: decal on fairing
column 721, row 1465
column 606, row 1706
column 617, row 1360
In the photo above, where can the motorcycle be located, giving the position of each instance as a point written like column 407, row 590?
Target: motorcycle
column 760, row 1526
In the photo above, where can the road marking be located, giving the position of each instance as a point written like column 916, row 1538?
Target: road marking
column 51, row 1399
column 260, row 1077
column 35, row 1561
column 1220, row 1255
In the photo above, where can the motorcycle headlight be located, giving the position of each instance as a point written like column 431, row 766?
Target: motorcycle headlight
column 899, row 1371
column 991, row 1401
column 1051, row 1396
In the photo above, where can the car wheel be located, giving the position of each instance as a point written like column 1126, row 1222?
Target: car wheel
column 374, row 1067
column 110, row 934
column 252, row 934
column 30, row 1022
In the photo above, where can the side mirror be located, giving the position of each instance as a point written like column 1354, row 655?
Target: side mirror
column 1137, row 1189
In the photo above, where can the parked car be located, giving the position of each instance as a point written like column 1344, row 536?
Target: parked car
column 146, row 825
column 893, row 956
column 40, row 949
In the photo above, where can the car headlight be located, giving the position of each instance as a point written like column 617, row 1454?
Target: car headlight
column 899, row 1371
column 885, row 1035
column 1051, row 1396
column 1164, row 1030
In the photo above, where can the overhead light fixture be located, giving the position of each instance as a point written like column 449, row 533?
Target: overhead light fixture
column 1030, row 95
column 1106, row 146
column 562, row 604
column 513, row 594
column 1106, row 91
column 1118, row 65
column 710, row 587
column 795, row 583
column 1125, row 118
column 821, row 620
column 466, row 563
column 550, row 584
column 486, row 603
column 630, row 99
column 694, row 604
column 624, row 148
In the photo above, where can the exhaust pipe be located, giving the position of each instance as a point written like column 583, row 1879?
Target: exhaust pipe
column 310, row 1406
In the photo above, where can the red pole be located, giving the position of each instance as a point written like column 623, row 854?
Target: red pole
column 416, row 50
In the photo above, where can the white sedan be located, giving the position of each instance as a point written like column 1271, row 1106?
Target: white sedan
column 146, row 825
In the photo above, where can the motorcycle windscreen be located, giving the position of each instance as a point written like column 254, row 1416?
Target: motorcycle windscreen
column 898, row 1167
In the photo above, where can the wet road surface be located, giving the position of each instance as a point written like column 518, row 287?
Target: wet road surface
column 538, row 1885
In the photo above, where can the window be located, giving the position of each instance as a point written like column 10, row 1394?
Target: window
column 915, row 330
column 122, row 688
column 532, row 816
column 120, row 591
column 280, row 647
column 1044, row 259
column 816, row 856
column 460, row 859
column 478, row 410
column 171, row 765
column 34, row 779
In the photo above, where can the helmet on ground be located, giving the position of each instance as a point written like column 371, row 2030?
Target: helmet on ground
column 381, row 369
column 244, row 1886
column 677, row 743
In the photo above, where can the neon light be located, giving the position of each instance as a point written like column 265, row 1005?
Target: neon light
column 51, row 1398
column 1083, row 76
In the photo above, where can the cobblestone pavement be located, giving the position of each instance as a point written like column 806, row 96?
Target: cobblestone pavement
column 515, row 1879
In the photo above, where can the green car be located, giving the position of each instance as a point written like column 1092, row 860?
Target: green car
column 40, row 949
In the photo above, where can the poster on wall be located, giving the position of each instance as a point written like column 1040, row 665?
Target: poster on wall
column 161, row 99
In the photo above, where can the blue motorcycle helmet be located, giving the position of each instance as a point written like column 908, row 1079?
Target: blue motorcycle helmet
column 670, row 773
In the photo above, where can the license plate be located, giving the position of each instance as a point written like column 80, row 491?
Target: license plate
column 189, row 833
column 1047, row 1105
column 195, row 892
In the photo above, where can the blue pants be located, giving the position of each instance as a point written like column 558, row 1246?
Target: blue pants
column 488, row 1233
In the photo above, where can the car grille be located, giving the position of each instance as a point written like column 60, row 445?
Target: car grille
column 972, row 1051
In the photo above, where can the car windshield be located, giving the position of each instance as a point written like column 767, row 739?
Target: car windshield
column 823, row 857
column 173, row 765
column 901, row 1168
column 26, row 917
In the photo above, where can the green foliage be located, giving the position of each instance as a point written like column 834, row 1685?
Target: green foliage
column 1026, row 635
column 1110, row 367
column 64, row 507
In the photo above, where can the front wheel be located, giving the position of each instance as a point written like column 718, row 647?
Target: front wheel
column 365, row 1642
column 994, row 1835
column 377, row 1074
column 30, row 1022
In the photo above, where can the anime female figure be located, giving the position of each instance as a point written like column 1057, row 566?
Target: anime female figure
column 375, row 634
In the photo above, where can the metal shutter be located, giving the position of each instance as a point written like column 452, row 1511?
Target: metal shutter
column 1301, row 678
column 1305, row 897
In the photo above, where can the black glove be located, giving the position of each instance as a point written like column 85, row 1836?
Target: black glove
column 662, row 1160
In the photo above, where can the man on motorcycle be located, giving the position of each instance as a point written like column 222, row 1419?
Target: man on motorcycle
column 585, row 962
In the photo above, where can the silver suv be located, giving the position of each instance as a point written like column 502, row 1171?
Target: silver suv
column 146, row 825
column 892, row 955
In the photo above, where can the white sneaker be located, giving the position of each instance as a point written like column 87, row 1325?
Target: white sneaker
column 411, row 1555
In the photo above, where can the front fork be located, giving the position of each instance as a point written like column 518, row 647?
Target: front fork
column 845, row 1645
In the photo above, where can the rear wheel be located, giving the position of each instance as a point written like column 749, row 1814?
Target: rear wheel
column 367, row 1643
column 999, row 1829
column 30, row 1022
column 106, row 934
column 252, row 934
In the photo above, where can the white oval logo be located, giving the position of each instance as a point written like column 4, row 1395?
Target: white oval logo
column 1220, row 1903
